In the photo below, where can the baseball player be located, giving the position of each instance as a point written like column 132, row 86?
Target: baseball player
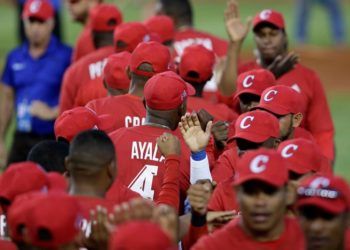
column 163, row 26
column 128, row 110
column 196, row 67
column 272, row 54
column 83, row 80
column 323, row 205
column 262, row 194
column 141, row 166
column 79, row 11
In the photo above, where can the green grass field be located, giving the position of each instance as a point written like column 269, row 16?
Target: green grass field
column 209, row 17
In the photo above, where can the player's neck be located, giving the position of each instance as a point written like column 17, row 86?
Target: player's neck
column 157, row 122
column 37, row 50
column 86, row 190
column 136, row 89
column 271, row 235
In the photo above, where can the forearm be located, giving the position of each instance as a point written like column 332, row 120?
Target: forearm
column 227, row 84
column 170, row 189
column 6, row 109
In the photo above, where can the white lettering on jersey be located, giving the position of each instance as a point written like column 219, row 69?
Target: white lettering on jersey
column 142, row 183
column 269, row 95
column 248, row 81
column 257, row 165
column 18, row 66
column 288, row 150
column 96, row 69
column 181, row 45
column 244, row 124
column 145, row 151
column 133, row 121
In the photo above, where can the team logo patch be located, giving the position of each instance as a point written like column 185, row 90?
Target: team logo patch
column 34, row 6
column 258, row 164
column 248, row 81
column 288, row 151
column 270, row 95
column 265, row 14
column 246, row 122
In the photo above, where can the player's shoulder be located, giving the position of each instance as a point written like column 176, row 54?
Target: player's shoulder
column 119, row 133
column 17, row 51
column 305, row 70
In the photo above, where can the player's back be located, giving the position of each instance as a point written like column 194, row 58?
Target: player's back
column 140, row 163
column 126, row 110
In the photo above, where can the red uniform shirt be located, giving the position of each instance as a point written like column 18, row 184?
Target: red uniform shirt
column 125, row 110
column 225, row 165
column 218, row 111
column 140, row 164
column 190, row 36
column 317, row 116
column 224, row 197
column 233, row 237
column 84, row 44
column 119, row 193
column 83, row 81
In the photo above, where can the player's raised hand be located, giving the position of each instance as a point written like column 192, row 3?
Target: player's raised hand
column 198, row 195
column 283, row 64
column 236, row 29
column 169, row 144
column 195, row 138
column 220, row 131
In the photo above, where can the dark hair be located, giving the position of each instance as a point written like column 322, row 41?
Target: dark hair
column 179, row 10
column 50, row 155
column 102, row 38
column 91, row 148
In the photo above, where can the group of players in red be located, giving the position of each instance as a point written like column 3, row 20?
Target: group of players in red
column 172, row 147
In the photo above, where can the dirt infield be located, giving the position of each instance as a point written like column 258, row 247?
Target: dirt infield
column 332, row 65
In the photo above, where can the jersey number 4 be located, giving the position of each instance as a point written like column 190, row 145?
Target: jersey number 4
column 142, row 183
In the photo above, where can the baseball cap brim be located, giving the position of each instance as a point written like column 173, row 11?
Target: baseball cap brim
column 251, row 137
column 190, row 89
column 262, row 22
column 273, row 109
column 297, row 169
column 331, row 206
column 247, row 91
column 257, row 177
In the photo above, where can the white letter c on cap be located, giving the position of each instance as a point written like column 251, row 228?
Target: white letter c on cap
column 244, row 124
column 265, row 14
column 320, row 182
column 257, row 165
column 269, row 95
column 248, row 81
column 285, row 153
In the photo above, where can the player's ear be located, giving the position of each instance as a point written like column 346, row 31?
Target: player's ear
column 66, row 166
column 112, row 170
column 128, row 72
column 51, row 24
column 297, row 119
column 276, row 143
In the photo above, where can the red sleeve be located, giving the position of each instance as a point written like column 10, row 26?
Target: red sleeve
column 215, row 202
column 169, row 193
column 195, row 233
column 91, row 105
column 68, row 90
column 224, row 167
column 318, row 119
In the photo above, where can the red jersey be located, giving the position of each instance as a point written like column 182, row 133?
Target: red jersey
column 232, row 237
column 126, row 110
column 119, row 193
column 190, row 36
column 7, row 244
column 317, row 116
column 83, row 81
column 218, row 111
column 225, row 165
column 141, row 166
column 224, row 197
column 84, row 44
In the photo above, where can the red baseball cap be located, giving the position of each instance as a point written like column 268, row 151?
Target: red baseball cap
column 41, row 9
column 115, row 70
column 6, row 244
column 62, row 224
column 327, row 192
column 78, row 119
column 266, row 165
column 303, row 155
column 254, row 82
column 153, row 53
column 105, row 17
column 150, row 236
column 163, row 26
column 22, row 177
column 166, row 91
column 280, row 100
column 199, row 60
column 57, row 182
column 269, row 16
column 257, row 126
column 128, row 35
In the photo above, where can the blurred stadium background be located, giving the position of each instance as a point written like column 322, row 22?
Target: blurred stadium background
column 331, row 63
